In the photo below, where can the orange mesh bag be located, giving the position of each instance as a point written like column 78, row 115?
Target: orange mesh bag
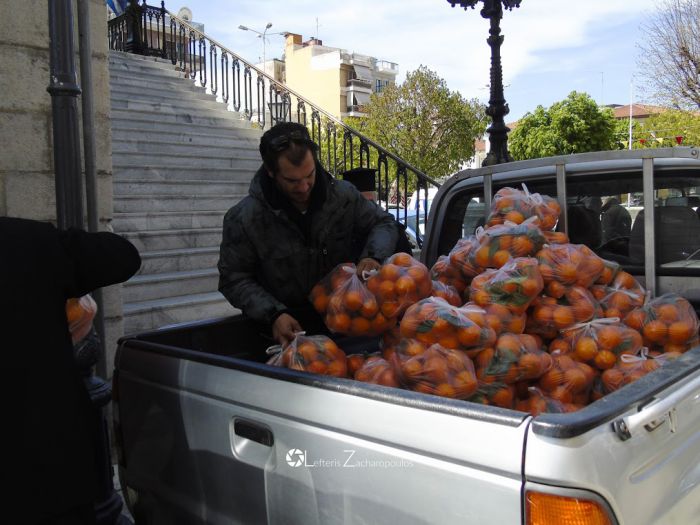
column 502, row 320
column 80, row 312
column 622, row 296
column 567, row 380
column 629, row 369
column 352, row 309
column 400, row 282
column 555, row 237
column 378, row 371
column 317, row 354
column 461, row 255
column 549, row 315
column 568, row 265
column 510, row 204
column 320, row 295
column 515, row 285
column 437, row 370
column 434, row 320
column 500, row 243
column 514, row 357
column 447, row 292
column 539, row 403
column 448, row 274
column 498, row 394
column 601, row 342
column 668, row 323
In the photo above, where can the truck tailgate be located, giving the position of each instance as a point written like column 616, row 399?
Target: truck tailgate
column 645, row 461
column 212, row 439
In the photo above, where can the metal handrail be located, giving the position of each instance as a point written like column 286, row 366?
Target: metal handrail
column 218, row 70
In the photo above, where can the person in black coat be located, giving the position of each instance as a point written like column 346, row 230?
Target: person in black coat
column 47, row 472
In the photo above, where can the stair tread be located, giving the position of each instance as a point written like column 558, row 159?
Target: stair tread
column 171, row 232
column 128, row 214
column 177, row 251
column 169, row 276
column 178, row 300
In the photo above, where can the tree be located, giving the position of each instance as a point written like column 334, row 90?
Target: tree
column 664, row 130
column 669, row 60
column 574, row 125
column 424, row 123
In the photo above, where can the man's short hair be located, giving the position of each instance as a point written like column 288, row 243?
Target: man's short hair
column 288, row 138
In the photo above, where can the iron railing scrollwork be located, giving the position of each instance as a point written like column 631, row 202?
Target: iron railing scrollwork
column 264, row 100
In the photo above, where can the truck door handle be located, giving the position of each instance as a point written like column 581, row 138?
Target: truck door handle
column 253, row 431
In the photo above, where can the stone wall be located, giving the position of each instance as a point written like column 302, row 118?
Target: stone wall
column 26, row 164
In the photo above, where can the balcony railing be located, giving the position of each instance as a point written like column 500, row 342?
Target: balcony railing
column 260, row 99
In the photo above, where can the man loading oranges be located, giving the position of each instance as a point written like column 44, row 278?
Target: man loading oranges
column 296, row 224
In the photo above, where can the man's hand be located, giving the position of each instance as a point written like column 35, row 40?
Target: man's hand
column 367, row 264
column 284, row 328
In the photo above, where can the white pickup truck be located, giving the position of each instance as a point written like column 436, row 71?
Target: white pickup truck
column 208, row 433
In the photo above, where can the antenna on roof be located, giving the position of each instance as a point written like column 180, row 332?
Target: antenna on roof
column 317, row 37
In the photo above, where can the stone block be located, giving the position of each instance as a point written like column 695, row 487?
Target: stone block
column 25, row 23
column 30, row 195
column 24, row 79
column 27, row 140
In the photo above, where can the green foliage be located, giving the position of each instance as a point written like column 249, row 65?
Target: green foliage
column 661, row 129
column 424, row 123
column 574, row 125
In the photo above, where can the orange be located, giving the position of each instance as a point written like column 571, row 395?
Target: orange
column 514, row 216
column 481, row 256
column 469, row 335
column 510, row 343
column 551, row 379
column 531, row 287
column 567, row 273
column 609, row 337
column 562, row 393
column 680, row 332
column 413, row 348
column 667, row 312
column 517, row 324
column 380, row 324
column 360, row 326
column 605, row 359
column 370, row 308
column 503, row 397
column 321, row 303
column 625, row 280
column 504, row 241
column 563, row 317
column 636, row 319
column 585, row 348
column 522, row 246
column 317, row 367
column 405, row 285
column 560, row 345
column 481, row 297
column 412, row 368
column 612, row 379
column 337, row 369
column 449, row 341
column 354, row 363
column 575, row 379
column 353, row 300
column 555, row 289
column 465, row 382
column 436, row 369
column 341, row 322
column 386, row 289
column 373, row 285
column 546, row 271
column 389, row 272
column 543, row 314
column 530, row 366
column 445, row 390
column 656, row 331
column 403, row 259
column 621, row 301
column 500, row 258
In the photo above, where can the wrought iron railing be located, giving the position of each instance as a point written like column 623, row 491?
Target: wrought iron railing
column 265, row 101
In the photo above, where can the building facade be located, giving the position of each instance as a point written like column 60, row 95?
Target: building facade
column 339, row 81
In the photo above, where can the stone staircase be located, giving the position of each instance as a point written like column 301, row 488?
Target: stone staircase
column 180, row 160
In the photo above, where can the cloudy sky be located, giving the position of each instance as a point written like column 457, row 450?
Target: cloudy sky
column 551, row 47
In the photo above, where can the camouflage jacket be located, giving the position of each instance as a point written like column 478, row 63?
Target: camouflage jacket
column 267, row 265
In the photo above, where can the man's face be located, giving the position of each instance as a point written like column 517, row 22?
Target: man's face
column 296, row 182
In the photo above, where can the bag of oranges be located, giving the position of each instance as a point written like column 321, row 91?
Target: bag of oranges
column 623, row 295
column 317, row 354
column 378, row 371
column 321, row 292
column 461, row 257
column 548, row 315
column 503, row 320
column 80, row 313
column 448, row 274
column 668, row 323
column 500, row 243
column 538, row 403
column 447, row 292
column 356, row 361
column 400, row 282
column 436, row 370
column 567, row 380
column 510, row 204
column 568, row 265
column 514, row 357
column 601, row 342
column 611, row 270
column 629, row 369
column 515, row 285
column 351, row 309
column 434, row 320
column 551, row 237
column 497, row 394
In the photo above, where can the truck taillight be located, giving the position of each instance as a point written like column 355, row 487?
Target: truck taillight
column 551, row 509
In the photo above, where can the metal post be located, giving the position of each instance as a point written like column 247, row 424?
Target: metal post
column 134, row 43
column 64, row 90
column 649, row 226
column 561, row 196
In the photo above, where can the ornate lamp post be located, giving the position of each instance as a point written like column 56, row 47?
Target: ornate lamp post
column 498, row 131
